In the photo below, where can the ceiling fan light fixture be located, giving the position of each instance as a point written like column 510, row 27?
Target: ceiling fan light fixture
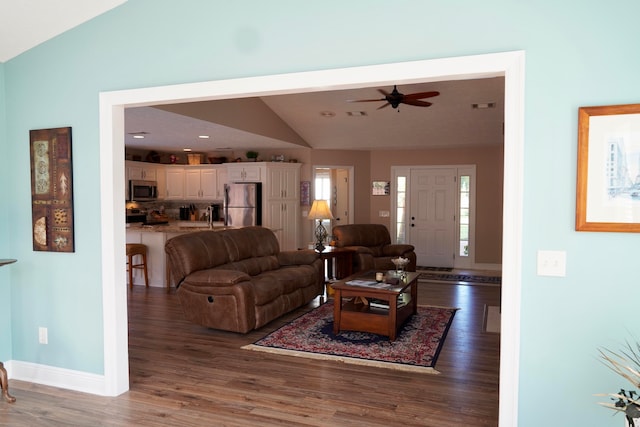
column 483, row 105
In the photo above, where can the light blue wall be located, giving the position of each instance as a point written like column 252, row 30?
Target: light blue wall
column 5, row 290
column 575, row 56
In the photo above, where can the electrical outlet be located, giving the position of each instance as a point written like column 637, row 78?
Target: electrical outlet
column 43, row 335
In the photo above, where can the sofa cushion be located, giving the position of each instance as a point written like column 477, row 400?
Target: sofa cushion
column 206, row 244
column 250, row 242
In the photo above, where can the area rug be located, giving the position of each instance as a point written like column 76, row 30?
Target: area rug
column 415, row 349
column 491, row 321
column 420, row 267
column 465, row 278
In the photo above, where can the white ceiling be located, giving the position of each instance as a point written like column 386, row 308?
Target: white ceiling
column 27, row 23
column 281, row 121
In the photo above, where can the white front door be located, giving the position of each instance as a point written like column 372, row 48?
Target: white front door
column 432, row 216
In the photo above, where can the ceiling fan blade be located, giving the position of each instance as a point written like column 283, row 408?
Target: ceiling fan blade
column 421, row 95
column 383, row 92
column 417, row 103
column 367, row 100
column 383, row 106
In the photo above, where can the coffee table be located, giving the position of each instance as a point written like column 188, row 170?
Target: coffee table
column 352, row 310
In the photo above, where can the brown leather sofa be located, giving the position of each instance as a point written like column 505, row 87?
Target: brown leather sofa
column 238, row 280
column 372, row 246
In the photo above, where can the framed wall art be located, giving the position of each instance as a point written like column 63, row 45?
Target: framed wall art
column 608, row 174
column 380, row 188
column 305, row 193
column 51, row 190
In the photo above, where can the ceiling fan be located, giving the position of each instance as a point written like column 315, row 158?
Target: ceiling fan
column 396, row 98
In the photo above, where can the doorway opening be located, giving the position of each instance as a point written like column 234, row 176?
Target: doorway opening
column 112, row 105
column 335, row 184
column 433, row 209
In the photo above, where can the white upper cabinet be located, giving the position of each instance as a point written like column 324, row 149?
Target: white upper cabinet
column 142, row 171
column 245, row 172
column 175, row 183
column 201, row 183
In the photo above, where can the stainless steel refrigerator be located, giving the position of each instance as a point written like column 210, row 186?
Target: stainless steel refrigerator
column 243, row 204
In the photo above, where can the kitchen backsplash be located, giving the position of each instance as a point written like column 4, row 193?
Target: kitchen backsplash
column 171, row 208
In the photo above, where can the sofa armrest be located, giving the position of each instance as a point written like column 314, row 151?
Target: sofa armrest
column 398, row 249
column 302, row 257
column 216, row 278
column 360, row 249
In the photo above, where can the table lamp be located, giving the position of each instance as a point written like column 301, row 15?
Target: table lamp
column 320, row 210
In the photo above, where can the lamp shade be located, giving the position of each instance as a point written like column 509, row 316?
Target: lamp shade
column 320, row 210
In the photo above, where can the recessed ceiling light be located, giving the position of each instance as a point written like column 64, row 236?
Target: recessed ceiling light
column 356, row 113
column 327, row 114
column 186, row 149
column 138, row 135
column 203, row 136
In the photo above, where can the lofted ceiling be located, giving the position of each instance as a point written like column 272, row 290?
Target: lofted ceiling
column 319, row 120
column 327, row 120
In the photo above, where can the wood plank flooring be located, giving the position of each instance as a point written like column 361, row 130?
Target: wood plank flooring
column 185, row 375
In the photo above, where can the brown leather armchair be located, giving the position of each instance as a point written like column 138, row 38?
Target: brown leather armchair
column 372, row 246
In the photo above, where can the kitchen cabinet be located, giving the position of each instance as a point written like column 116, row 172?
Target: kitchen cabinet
column 222, row 180
column 201, row 183
column 284, row 182
column 283, row 220
column 141, row 171
column 282, row 194
column 244, row 172
column 175, row 183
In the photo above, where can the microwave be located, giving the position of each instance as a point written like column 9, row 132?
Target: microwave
column 142, row 191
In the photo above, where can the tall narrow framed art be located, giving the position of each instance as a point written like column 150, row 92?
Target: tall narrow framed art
column 52, row 190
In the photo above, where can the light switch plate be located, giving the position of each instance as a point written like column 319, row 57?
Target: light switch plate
column 552, row 263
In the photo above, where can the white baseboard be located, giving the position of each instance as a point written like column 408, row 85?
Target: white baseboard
column 56, row 377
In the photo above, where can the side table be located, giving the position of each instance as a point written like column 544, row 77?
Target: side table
column 4, row 378
column 343, row 264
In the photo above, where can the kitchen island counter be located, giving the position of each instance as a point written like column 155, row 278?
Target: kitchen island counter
column 176, row 227
column 154, row 238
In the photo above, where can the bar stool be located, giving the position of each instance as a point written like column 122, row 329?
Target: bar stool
column 132, row 250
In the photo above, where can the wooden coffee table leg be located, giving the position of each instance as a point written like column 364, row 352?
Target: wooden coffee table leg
column 4, row 383
column 337, row 310
column 393, row 317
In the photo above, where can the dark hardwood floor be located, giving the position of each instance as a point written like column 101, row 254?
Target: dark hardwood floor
column 184, row 375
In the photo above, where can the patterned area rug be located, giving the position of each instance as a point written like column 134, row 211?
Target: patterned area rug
column 420, row 267
column 311, row 335
column 465, row 278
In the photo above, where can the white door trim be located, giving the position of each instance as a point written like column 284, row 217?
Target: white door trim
column 112, row 104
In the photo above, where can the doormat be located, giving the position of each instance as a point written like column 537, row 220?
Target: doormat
column 491, row 320
column 461, row 278
column 416, row 348
column 418, row 268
